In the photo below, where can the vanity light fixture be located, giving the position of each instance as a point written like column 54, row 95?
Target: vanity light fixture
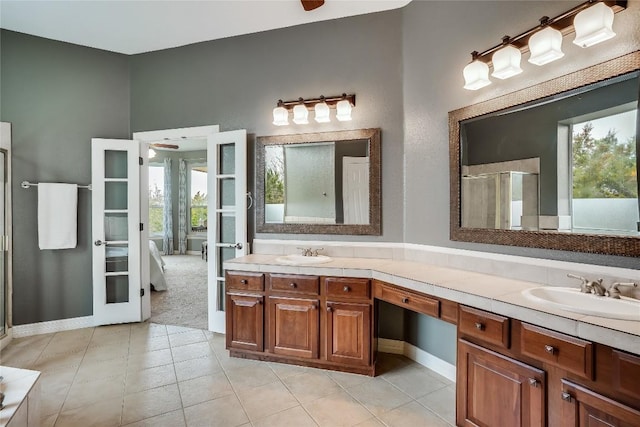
column 152, row 153
column 300, row 114
column 280, row 115
column 545, row 45
column 476, row 73
column 592, row 22
column 506, row 61
column 593, row 25
column 322, row 107
column 322, row 111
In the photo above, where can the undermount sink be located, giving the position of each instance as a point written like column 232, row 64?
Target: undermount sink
column 302, row 259
column 571, row 299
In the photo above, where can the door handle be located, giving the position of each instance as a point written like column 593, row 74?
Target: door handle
column 98, row 242
column 231, row 245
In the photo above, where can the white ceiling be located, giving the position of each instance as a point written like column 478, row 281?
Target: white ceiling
column 137, row 26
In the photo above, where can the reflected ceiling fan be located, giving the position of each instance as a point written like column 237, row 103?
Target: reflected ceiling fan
column 311, row 4
column 160, row 145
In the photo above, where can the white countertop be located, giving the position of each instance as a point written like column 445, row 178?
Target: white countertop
column 491, row 293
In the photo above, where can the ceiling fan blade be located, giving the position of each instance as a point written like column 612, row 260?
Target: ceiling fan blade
column 158, row 145
column 311, row 4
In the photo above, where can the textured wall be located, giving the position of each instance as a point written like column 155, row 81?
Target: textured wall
column 57, row 97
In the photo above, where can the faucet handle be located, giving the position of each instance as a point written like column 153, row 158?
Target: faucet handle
column 305, row 251
column 586, row 286
column 613, row 290
column 317, row 251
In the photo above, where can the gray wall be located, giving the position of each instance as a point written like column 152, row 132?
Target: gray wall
column 57, row 97
column 237, row 82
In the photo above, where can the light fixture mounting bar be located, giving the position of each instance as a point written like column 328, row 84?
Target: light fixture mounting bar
column 330, row 100
column 562, row 22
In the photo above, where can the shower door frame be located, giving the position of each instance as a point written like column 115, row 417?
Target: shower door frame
column 5, row 146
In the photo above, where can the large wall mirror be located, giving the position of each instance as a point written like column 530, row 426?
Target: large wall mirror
column 552, row 166
column 319, row 183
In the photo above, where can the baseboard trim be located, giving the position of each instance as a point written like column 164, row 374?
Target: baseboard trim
column 418, row 355
column 52, row 326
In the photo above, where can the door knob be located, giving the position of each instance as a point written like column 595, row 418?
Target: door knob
column 98, row 242
column 232, row 245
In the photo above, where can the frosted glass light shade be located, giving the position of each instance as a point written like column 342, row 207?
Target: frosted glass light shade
column 593, row 25
column 322, row 112
column 506, row 62
column 545, row 46
column 300, row 115
column 280, row 116
column 343, row 110
column 476, row 75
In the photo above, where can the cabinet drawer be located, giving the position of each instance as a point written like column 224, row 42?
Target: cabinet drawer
column 346, row 288
column 294, row 283
column 488, row 327
column 409, row 300
column 573, row 354
column 244, row 281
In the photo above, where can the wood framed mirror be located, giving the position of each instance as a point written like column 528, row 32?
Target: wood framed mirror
column 319, row 183
column 525, row 167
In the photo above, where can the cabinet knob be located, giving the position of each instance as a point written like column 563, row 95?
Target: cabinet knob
column 259, row 302
column 533, row 382
column 566, row 396
column 405, row 300
column 293, row 285
column 328, row 308
column 313, row 307
column 346, row 289
column 549, row 349
column 243, row 281
column 479, row 326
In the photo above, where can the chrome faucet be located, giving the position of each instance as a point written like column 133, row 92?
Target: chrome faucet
column 614, row 292
column 306, row 251
column 315, row 252
column 590, row 286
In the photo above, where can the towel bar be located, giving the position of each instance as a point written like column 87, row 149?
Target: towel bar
column 27, row 184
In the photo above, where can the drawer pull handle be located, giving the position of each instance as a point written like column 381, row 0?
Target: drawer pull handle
column 479, row 326
column 550, row 349
column 293, row 285
column 566, row 396
column 328, row 309
column 243, row 281
column 346, row 289
column 313, row 307
column 405, row 300
column 259, row 302
column 533, row 382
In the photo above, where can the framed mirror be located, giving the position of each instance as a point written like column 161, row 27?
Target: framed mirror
column 552, row 166
column 319, row 183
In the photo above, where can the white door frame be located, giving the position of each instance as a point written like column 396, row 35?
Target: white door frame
column 145, row 139
column 5, row 143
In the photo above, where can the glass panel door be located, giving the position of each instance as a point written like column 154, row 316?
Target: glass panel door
column 3, row 243
column 116, row 234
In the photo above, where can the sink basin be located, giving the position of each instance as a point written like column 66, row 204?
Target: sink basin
column 571, row 299
column 303, row 260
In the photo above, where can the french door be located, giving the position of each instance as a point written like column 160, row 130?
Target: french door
column 227, row 213
column 115, row 175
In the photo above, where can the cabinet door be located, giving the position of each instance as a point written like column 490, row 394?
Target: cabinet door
column 494, row 390
column 245, row 319
column 349, row 333
column 294, row 327
column 583, row 407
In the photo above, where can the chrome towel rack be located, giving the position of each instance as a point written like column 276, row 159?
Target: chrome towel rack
column 27, row 184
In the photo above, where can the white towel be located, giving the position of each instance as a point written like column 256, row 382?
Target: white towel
column 57, row 215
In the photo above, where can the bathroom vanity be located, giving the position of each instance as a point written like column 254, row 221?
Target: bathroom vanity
column 518, row 363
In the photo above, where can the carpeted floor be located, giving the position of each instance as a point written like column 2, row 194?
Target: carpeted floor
column 184, row 303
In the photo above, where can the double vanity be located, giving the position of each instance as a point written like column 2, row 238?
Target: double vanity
column 524, row 356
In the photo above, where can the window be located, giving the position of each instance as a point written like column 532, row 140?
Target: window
column 156, row 199
column 604, row 173
column 198, row 202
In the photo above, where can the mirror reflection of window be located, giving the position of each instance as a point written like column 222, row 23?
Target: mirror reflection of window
column 156, row 199
column 604, row 173
column 198, row 198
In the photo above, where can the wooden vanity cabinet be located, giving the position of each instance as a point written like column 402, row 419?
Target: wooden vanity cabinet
column 245, row 311
column 495, row 390
column 583, row 407
column 349, row 321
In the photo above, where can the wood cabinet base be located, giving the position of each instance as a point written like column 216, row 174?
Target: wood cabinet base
column 269, row 357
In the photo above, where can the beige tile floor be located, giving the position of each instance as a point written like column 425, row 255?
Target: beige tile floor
column 155, row 375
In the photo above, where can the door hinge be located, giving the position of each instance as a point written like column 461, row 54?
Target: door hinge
column 140, row 160
column 141, row 292
column 141, row 226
